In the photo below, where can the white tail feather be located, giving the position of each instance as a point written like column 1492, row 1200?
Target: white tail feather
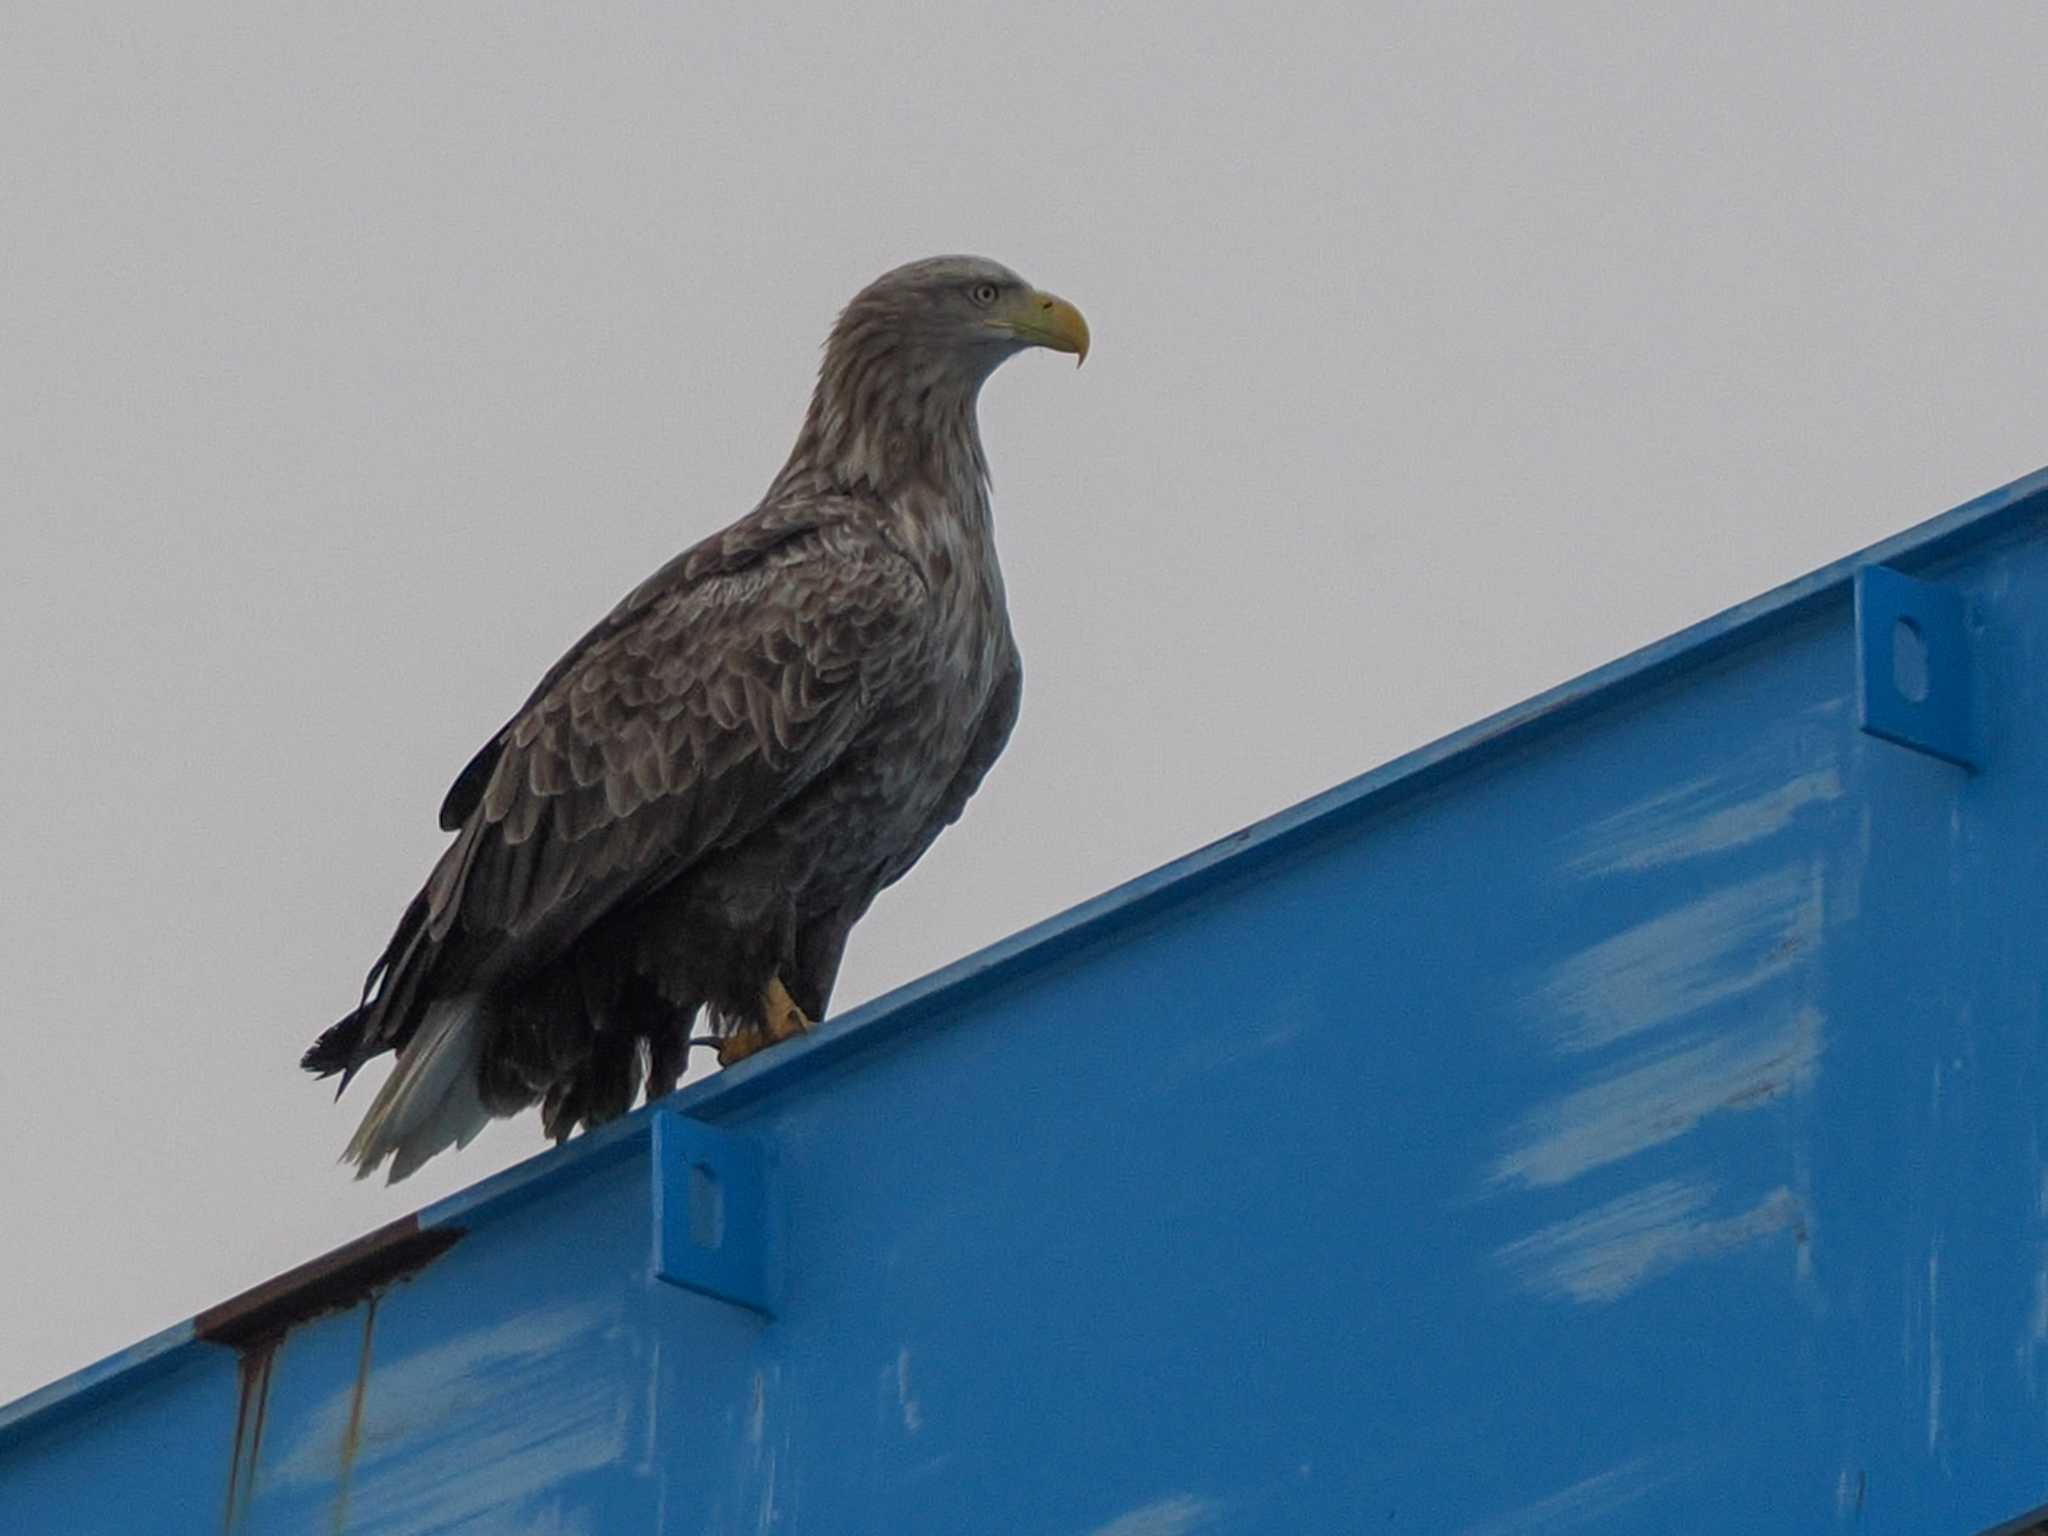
column 430, row 1100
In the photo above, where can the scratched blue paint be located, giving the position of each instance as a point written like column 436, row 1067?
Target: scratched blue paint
column 1622, row 1116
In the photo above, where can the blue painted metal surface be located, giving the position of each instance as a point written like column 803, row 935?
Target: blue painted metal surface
column 1913, row 681
column 711, row 1213
column 1625, row 1115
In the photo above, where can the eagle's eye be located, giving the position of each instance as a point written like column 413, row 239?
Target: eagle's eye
column 983, row 294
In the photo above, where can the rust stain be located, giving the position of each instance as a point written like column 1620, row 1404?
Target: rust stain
column 256, row 1322
column 334, row 1282
column 352, row 1433
column 252, row 1377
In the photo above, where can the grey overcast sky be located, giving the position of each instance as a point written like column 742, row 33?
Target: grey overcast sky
column 354, row 358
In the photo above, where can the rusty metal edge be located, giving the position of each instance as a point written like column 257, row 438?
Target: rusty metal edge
column 334, row 1282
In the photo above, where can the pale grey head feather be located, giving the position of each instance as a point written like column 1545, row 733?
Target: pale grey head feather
column 902, row 372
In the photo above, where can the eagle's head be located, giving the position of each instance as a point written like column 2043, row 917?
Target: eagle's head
column 962, row 315
column 896, row 394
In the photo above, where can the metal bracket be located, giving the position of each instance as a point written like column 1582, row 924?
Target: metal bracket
column 1913, row 665
column 711, row 1212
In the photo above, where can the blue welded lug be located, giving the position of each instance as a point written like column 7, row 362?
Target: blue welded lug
column 1913, row 665
column 711, row 1215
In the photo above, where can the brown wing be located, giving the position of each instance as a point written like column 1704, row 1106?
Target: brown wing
column 991, row 735
column 745, row 543
column 705, row 701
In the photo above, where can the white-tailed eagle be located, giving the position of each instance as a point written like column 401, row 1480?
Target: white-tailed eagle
column 702, row 797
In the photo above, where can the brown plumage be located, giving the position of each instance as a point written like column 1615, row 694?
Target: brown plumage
column 703, row 796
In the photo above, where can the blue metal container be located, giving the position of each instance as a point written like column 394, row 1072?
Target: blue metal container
column 1623, row 1116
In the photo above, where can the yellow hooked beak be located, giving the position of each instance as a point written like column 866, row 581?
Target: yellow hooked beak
column 1046, row 320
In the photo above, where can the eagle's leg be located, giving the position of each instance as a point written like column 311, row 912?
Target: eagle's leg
column 781, row 1020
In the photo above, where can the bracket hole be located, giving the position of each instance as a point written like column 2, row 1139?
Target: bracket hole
column 1909, row 661
column 707, row 1208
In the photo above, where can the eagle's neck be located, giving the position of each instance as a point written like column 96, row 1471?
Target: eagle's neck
column 885, row 421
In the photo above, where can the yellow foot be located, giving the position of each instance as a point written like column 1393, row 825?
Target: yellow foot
column 781, row 1020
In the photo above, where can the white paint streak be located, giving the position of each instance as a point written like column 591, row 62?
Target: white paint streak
column 1934, row 1347
column 769, row 1513
column 906, row 1403
column 1661, row 1096
column 1845, row 892
column 470, row 1433
column 1610, row 1250
column 422, row 1385
column 757, row 1487
column 650, row 1459
column 1233, row 1047
column 1704, row 816
column 1726, row 943
column 1849, row 1487
column 2034, row 1333
column 1582, row 1503
column 550, row 1522
column 1171, row 1516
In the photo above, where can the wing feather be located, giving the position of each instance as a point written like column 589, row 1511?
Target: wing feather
column 716, row 692
column 747, row 543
